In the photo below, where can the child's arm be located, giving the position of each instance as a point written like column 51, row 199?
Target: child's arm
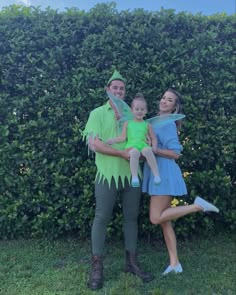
column 120, row 138
column 152, row 137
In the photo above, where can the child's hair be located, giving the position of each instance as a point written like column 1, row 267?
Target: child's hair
column 140, row 97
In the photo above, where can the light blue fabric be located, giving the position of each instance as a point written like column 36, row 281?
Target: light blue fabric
column 172, row 182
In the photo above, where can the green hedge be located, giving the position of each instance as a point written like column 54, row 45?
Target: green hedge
column 53, row 68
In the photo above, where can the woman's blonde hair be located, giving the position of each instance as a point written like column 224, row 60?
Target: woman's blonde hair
column 178, row 106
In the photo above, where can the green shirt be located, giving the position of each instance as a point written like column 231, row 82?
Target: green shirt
column 103, row 123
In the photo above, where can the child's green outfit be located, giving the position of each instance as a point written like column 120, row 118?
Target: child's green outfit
column 137, row 135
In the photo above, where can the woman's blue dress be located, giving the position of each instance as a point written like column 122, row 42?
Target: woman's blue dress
column 172, row 182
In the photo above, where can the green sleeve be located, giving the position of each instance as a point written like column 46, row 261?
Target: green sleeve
column 93, row 126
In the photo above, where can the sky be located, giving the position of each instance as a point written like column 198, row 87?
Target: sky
column 206, row 7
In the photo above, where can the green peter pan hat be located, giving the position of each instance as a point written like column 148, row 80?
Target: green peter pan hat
column 116, row 76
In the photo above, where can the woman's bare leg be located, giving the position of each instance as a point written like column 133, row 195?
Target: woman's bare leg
column 162, row 213
column 171, row 244
column 161, row 210
column 159, row 205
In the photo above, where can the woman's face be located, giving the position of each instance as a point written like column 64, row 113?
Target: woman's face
column 167, row 103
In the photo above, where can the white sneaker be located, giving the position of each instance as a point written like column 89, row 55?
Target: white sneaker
column 206, row 206
column 176, row 269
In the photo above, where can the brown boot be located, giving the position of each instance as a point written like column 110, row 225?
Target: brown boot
column 133, row 267
column 96, row 273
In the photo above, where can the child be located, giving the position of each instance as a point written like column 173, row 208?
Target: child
column 136, row 132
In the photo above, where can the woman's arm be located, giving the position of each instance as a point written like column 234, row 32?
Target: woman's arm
column 161, row 152
column 170, row 154
column 169, row 140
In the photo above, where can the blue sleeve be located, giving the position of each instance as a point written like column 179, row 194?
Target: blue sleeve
column 167, row 137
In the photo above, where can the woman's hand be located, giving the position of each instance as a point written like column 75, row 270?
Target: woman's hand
column 154, row 149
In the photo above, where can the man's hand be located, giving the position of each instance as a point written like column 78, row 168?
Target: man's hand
column 125, row 154
column 91, row 143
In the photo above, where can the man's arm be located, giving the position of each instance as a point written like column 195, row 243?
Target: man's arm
column 96, row 145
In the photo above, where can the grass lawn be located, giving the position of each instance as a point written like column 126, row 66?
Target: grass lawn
column 37, row 267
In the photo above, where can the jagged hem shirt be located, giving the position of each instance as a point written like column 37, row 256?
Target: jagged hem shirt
column 103, row 124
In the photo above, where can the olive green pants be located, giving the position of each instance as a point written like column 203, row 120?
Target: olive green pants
column 106, row 198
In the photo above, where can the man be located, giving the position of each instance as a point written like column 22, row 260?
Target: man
column 112, row 179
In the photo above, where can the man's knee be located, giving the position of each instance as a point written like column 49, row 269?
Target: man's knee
column 102, row 217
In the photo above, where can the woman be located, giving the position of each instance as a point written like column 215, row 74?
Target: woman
column 172, row 183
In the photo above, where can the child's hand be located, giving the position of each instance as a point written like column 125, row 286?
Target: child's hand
column 110, row 141
column 148, row 140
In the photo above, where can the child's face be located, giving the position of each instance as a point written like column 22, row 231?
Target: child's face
column 139, row 109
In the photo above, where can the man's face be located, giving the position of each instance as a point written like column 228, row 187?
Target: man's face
column 117, row 88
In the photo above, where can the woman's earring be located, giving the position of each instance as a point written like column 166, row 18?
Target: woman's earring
column 176, row 109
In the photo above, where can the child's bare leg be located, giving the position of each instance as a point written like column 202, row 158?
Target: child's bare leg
column 134, row 164
column 148, row 154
